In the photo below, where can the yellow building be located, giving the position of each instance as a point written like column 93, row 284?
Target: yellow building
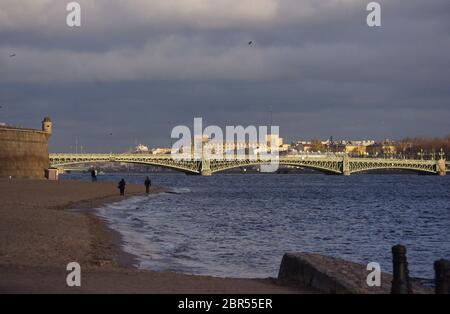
column 355, row 149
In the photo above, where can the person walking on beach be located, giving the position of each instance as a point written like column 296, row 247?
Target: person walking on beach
column 147, row 183
column 94, row 175
column 121, row 187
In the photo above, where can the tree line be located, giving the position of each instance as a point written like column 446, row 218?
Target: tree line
column 425, row 145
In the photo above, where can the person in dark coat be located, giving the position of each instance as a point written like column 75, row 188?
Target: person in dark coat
column 121, row 187
column 147, row 183
column 94, row 175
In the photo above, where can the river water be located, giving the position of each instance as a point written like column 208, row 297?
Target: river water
column 240, row 225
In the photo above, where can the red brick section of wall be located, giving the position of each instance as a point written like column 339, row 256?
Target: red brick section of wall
column 23, row 153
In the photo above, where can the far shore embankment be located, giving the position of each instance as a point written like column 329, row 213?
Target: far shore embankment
column 40, row 237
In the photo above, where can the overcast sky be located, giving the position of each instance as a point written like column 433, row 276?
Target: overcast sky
column 137, row 68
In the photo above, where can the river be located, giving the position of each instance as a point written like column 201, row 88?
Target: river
column 240, row 225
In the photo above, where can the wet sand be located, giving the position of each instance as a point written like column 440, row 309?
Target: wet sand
column 40, row 237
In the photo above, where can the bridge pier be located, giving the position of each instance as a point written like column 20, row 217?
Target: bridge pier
column 205, row 169
column 441, row 168
column 345, row 166
column 206, row 173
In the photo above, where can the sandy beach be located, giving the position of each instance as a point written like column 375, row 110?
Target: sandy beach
column 40, row 236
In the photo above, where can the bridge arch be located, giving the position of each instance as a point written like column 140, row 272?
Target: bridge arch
column 411, row 169
column 234, row 165
column 174, row 167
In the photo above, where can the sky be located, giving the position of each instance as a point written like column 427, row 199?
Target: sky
column 137, row 68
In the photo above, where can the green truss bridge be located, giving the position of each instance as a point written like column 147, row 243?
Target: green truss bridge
column 342, row 165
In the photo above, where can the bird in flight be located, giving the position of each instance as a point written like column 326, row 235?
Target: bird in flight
column 250, row 42
column 12, row 55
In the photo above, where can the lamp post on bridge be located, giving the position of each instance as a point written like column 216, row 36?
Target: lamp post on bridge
column 421, row 154
column 441, row 154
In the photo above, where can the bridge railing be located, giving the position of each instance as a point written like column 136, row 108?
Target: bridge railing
column 331, row 156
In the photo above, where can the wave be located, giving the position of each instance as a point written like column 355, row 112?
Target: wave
column 179, row 191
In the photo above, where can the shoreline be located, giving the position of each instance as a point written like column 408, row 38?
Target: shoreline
column 106, row 233
column 49, row 224
column 102, row 230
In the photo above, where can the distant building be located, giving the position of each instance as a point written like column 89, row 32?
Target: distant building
column 386, row 147
column 161, row 151
column 246, row 147
column 141, row 149
column 355, row 148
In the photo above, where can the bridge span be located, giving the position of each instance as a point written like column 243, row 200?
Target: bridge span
column 342, row 165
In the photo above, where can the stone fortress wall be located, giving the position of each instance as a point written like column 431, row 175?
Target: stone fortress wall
column 24, row 152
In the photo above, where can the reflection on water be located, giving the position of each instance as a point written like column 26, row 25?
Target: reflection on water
column 241, row 225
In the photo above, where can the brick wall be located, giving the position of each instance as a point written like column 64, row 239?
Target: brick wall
column 23, row 153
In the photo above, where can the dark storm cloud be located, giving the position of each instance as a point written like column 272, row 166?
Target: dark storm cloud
column 138, row 68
